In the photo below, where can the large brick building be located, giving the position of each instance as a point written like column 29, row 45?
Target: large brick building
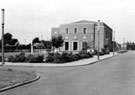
column 76, row 33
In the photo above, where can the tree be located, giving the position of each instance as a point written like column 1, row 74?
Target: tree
column 57, row 41
column 35, row 40
column 7, row 38
column 47, row 44
column 13, row 42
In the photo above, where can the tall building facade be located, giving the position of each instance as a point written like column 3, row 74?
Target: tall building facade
column 76, row 34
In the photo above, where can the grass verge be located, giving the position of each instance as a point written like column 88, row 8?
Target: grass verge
column 9, row 77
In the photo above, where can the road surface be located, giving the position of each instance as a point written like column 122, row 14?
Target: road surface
column 114, row 76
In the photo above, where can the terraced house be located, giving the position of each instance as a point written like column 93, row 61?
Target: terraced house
column 76, row 34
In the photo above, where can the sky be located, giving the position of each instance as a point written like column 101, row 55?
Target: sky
column 27, row 19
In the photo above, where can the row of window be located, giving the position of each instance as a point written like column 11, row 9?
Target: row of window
column 75, row 45
column 82, row 37
column 75, row 31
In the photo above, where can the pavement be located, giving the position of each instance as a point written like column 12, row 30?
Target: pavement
column 74, row 63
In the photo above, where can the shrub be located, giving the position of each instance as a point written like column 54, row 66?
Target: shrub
column 53, row 57
column 101, row 52
column 61, row 58
column 84, row 54
column 91, row 55
column 35, row 58
column 21, row 57
column 57, row 58
column 50, row 58
column 105, row 51
column 67, row 57
column 11, row 59
column 75, row 57
column 18, row 58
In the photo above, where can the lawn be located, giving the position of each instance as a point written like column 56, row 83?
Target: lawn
column 10, row 77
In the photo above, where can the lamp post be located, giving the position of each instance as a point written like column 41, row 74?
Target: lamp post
column 113, row 43
column 98, row 40
column 3, row 22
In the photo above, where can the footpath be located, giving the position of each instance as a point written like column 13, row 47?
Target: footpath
column 74, row 63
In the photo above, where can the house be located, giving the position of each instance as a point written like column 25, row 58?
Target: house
column 77, row 34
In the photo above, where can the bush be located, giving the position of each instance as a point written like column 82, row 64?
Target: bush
column 22, row 58
column 84, row 54
column 54, row 57
column 35, row 58
column 50, row 58
column 101, row 53
column 18, row 58
column 11, row 59
column 57, row 58
column 67, row 57
column 75, row 57
column 105, row 51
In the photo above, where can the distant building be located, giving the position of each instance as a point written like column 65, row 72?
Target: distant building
column 77, row 33
column 123, row 46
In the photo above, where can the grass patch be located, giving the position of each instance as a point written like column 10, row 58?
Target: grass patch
column 9, row 77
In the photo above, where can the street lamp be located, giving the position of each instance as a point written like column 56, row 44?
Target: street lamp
column 3, row 22
column 113, row 43
column 98, row 40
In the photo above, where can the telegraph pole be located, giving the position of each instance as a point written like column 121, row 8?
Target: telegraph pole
column 98, row 40
column 3, row 22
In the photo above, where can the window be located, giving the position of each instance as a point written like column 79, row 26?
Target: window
column 75, row 45
column 66, row 45
column 75, row 30
column 84, row 30
column 66, row 30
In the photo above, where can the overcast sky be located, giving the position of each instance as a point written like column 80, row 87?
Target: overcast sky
column 27, row 19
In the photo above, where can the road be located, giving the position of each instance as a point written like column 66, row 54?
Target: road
column 114, row 76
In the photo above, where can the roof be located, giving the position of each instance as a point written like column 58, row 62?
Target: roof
column 91, row 22
column 85, row 21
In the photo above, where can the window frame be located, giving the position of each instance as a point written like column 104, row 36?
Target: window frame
column 67, row 47
column 67, row 32
column 76, row 45
column 84, row 30
column 75, row 30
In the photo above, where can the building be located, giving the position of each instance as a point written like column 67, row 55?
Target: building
column 76, row 34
